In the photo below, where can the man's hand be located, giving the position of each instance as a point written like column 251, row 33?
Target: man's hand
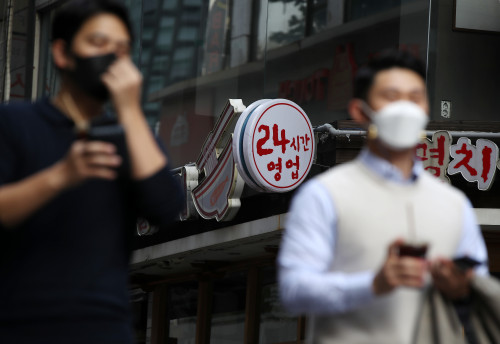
column 88, row 159
column 124, row 82
column 399, row 271
column 449, row 279
column 85, row 159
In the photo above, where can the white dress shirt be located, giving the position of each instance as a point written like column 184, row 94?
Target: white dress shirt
column 307, row 250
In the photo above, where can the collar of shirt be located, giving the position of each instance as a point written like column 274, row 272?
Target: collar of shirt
column 388, row 171
column 54, row 115
column 51, row 113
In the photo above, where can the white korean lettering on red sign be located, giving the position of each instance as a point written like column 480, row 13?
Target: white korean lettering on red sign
column 475, row 163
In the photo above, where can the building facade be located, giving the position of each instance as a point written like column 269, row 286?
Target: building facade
column 211, row 277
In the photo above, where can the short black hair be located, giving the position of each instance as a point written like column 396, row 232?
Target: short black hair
column 72, row 15
column 385, row 60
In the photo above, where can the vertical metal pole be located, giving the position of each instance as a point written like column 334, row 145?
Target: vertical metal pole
column 30, row 50
column 10, row 12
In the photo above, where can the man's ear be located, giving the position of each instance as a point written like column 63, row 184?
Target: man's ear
column 60, row 54
column 356, row 111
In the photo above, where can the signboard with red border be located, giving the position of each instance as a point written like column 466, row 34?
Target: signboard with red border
column 218, row 194
column 273, row 144
column 475, row 162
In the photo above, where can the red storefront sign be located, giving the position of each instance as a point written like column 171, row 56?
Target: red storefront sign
column 435, row 154
column 475, row 162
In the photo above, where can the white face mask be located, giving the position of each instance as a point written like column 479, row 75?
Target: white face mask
column 399, row 125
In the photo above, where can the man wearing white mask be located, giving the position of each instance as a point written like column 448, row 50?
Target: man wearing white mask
column 341, row 260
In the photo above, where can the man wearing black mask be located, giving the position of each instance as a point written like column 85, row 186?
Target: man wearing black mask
column 67, row 212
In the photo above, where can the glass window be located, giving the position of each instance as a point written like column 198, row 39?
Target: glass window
column 275, row 325
column 155, row 83
column 362, row 8
column 260, row 20
column 182, row 63
column 193, row 2
column 135, row 13
column 146, row 56
column 20, row 64
column 164, row 39
column 216, row 37
column 191, row 15
column 187, row 33
column 286, row 23
column 182, row 301
column 169, row 4
column 319, row 15
column 228, row 309
column 148, row 34
column 160, row 63
column 167, row 22
column 48, row 80
column 199, row 53
column 149, row 5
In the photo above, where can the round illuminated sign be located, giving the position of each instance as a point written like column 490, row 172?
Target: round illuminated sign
column 238, row 144
column 145, row 228
column 274, row 145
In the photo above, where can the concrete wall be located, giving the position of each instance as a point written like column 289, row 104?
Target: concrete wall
column 464, row 68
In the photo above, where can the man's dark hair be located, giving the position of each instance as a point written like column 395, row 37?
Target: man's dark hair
column 383, row 61
column 71, row 16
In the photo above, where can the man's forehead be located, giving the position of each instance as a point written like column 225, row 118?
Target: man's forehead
column 106, row 36
column 106, row 25
column 399, row 79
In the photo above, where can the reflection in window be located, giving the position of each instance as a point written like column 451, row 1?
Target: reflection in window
column 319, row 16
column 261, row 28
column 193, row 2
column 183, row 59
column 168, row 41
column 165, row 36
column 276, row 326
column 192, row 15
column 164, row 39
column 48, row 81
column 146, row 55
column 286, row 23
column 167, row 22
column 228, row 309
column 148, row 33
column 182, row 303
column 155, row 83
column 135, row 13
column 160, row 63
column 187, row 34
column 169, row 4
column 361, row 8
column 149, row 27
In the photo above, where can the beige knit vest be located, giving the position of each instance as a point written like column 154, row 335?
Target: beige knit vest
column 372, row 212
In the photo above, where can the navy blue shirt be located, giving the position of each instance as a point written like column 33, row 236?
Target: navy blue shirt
column 64, row 271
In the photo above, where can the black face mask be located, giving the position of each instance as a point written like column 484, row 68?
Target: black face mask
column 87, row 74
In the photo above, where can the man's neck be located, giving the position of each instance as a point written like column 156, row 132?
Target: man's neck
column 403, row 160
column 76, row 104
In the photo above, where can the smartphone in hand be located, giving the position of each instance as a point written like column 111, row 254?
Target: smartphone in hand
column 112, row 132
column 465, row 263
